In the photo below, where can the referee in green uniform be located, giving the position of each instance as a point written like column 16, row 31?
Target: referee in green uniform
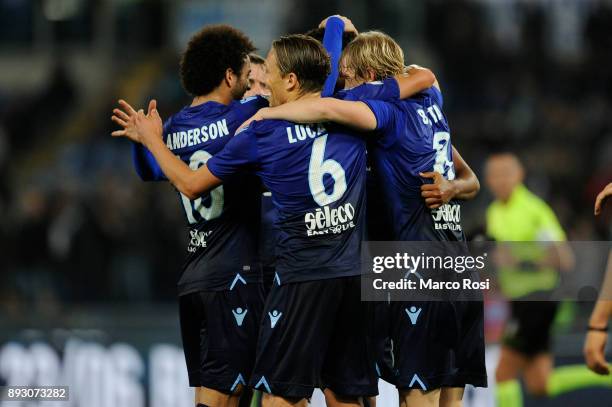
column 517, row 215
column 527, row 271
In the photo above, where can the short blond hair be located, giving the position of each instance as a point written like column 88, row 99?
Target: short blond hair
column 374, row 51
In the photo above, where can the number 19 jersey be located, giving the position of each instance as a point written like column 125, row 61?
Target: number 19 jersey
column 316, row 174
column 224, row 223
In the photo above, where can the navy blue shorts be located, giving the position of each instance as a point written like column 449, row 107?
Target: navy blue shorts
column 437, row 344
column 382, row 342
column 316, row 334
column 219, row 332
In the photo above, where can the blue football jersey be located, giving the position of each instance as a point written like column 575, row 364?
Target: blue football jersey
column 267, row 237
column 378, row 220
column 387, row 89
column 316, row 174
column 224, row 223
column 414, row 137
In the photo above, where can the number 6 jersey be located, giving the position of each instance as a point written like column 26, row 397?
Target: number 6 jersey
column 223, row 224
column 316, row 175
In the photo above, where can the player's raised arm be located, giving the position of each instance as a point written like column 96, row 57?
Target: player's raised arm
column 144, row 163
column 147, row 130
column 415, row 80
column 356, row 115
column 334, row 27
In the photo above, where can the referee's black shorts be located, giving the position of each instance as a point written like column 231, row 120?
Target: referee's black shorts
column 528, row 330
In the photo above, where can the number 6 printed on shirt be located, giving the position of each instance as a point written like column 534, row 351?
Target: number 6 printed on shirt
column 318, row 168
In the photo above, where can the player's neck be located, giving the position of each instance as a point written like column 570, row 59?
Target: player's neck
column 312, row 95
column 213, row 96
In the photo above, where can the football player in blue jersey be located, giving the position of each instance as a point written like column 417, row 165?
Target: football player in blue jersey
column 413, row 140
column 258, row 85
column 220, row 290
column 312, row 333
column 374, row 58
column 258, row 77
column 334, row 32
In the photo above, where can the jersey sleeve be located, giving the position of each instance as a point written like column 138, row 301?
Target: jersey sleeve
column 247, row 107
column 388, row 119
column 145, row 164
column 387, row 90
column 436, row 95
column 239, row 154
column 549, row 228
column 332, row 42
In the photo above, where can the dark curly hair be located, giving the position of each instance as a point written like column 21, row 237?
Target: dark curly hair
column 209, row 54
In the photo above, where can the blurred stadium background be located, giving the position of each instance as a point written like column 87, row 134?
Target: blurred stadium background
column 89, row 254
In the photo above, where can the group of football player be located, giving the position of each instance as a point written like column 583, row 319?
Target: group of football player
column 274, row 186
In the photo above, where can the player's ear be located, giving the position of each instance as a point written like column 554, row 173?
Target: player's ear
column 229, row 77
column 371, row 75
column 291, row 82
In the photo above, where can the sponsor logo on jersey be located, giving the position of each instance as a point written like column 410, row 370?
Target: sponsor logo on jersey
column 447, row 217
column 328, row 220
column 197, row 239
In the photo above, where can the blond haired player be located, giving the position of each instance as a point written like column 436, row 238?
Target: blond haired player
column 414, row 145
